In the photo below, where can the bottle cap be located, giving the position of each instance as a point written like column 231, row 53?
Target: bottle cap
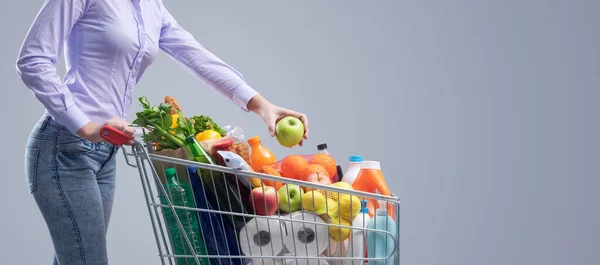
column 322, row 147
column 356, row 158
column 170, row 172
column 363, row 207
column 190, row 139
column 340, row 173
column 371, row 165
column 382, row 210
column 254, row 140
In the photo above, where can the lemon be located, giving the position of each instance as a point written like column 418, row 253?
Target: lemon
column 339, row 233
column 335, row 194
column 314, row 201
column 349, row 206
column 332, row 207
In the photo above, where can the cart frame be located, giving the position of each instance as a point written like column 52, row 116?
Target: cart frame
column 141, row 156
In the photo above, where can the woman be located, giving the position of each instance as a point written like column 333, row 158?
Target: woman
column 109, row 44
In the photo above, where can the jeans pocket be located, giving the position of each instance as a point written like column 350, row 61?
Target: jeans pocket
column 70, row 143
column 31, row 167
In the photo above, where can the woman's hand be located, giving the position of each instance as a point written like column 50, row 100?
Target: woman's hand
column 91, row 131
column 271, row 114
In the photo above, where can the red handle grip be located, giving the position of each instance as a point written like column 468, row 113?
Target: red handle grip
column 114, row 136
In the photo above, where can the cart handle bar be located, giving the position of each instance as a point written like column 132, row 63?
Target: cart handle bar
column 114, row 136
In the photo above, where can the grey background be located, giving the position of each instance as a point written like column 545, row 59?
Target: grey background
column 483, row 114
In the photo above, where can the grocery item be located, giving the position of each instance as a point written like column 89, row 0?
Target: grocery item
column 354, row 166
column 341, row 232
column 234, row 161
column 380, row 244
column 317, row 178
column 322, row 148
column 327, row 162
column 264, row 200
column 180, row 194
column 201, row 123
column 313, row 169
column 314, row 201
column 303, row 239
column 260, row 156
column 223, row 145
column 208, row 134
column 158, row 121
column 176, row 107
column 358, row 237
column 199, row 154
column 349, row 206
column 219, row 236
column 370, row 179
column 223, row 190
column 289, row 131
column 239, row 143
column 334, row 195
column 290, row 197
column 269, row 170
column 340, row 174
column 292, row 166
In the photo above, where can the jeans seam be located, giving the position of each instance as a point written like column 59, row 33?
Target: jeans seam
column 63, row 197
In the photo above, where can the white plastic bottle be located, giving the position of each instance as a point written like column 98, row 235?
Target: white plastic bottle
column 353, row 169
column 358, row 238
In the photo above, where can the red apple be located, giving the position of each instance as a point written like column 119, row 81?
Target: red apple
column 317, row 178
column 264, row 200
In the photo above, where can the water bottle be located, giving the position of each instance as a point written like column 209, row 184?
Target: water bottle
column 181, row 194
column 380, row 244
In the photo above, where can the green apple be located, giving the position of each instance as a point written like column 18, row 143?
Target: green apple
column 290, row 197
column 289, row 131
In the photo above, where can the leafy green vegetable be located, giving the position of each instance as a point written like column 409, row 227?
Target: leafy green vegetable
column 200, row 124
column 158, row 120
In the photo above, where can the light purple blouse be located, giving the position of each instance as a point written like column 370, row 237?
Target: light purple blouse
column 108, row 44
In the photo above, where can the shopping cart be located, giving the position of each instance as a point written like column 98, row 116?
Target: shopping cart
column 204, row 216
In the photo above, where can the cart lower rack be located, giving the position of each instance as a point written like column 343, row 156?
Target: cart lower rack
column 203, row 214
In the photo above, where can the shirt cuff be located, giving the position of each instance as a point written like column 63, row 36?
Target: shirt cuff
column 73, row 118
column 242, row 95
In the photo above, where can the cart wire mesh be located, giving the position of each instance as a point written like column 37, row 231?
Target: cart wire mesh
column 204, row 215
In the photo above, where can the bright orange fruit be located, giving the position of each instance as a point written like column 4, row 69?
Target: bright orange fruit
column 273, row 172
column 292, row 166
column 327, row 162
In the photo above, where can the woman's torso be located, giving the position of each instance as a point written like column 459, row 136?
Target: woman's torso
column 107, row 52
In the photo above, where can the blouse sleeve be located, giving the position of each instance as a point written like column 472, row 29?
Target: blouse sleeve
column 40, row 52
column 180, row 45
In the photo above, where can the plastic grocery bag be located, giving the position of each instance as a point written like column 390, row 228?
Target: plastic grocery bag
column 219, row 234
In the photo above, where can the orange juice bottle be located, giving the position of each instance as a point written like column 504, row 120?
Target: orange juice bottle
column 370, row 179
column 260, row 156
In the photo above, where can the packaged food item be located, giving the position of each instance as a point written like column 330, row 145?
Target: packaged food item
column 354, row 166
column 260, row 156
column 223, row 145
column 370, row 179
column 240, row 146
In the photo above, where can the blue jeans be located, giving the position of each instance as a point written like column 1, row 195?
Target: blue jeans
column 73, row 182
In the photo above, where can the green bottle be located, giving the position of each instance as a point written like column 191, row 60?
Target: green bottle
column 181, row 194
column 199, row 154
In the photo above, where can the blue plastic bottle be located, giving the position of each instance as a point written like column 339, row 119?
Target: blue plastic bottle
column 219, row 236
column 380, row 244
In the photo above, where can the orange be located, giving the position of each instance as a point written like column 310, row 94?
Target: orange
column 273, row 172
column 292, row 166
column 327, row 162
column 312, row 169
